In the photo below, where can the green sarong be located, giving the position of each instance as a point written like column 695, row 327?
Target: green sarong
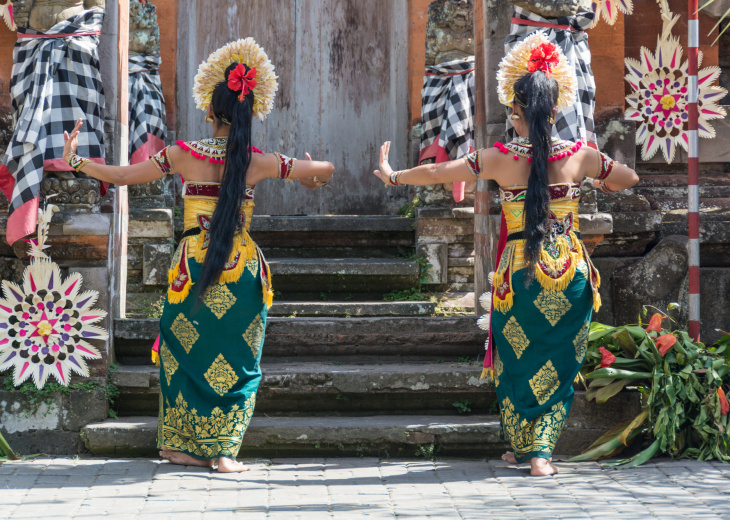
column 540, row 345
column 209, row 365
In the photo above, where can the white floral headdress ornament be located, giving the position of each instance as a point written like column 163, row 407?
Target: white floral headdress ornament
column 245, row 51
column 528, row 54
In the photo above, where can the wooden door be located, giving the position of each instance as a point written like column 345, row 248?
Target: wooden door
column 343, row 90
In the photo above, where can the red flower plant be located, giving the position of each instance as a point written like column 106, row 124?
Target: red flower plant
column 724, row 405
column 240, row 80
column 665, row 342
column 543, row 57
column 655, row 323
column 607, row 359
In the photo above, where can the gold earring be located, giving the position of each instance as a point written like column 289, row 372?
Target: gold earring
column 551, row 120
column 515, row 117
column 209, row 119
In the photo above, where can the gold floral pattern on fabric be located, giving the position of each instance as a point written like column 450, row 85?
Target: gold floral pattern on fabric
column 553, row 305
column 184, row 332
column 498, row 368
column 545, row 382
column 581, row 342
column 254, row 335
column 219, row 434
column 218, row 298
column 169, row 363
column 221, row 376
column 253, row 266
column 510, row 420
column 547, row 428
column 515, row 336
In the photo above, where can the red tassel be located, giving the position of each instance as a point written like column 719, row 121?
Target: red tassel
column 529, row 159
column 516, row 158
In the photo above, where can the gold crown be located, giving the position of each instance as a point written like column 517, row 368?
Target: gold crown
column 246, row 51
column 515, row 65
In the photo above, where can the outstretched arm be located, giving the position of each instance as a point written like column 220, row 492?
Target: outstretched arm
column 450, row 171
column 120, row 175
column 311, row 174
column 607, row 174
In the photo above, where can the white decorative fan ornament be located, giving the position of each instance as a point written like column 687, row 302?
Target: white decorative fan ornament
column 46, row 324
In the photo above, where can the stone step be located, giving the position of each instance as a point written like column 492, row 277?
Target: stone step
column 343, row 275
column 472, row 436
column 326, row 388
column 333, row 235
column 288, row 338
column 349, row 309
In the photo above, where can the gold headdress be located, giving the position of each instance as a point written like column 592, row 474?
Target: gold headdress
column 536, row 53
column 248, row 52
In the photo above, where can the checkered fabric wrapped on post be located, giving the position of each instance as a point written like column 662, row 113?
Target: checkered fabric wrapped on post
column 448, row 108
column 146, row 108
column 576, row 122
column 55, row 81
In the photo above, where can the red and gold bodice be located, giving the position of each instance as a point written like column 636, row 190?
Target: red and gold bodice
column 562, row 254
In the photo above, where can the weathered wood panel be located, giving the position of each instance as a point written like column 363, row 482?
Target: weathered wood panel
column 343, row 73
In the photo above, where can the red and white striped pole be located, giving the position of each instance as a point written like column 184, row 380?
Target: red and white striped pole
column 693, row 180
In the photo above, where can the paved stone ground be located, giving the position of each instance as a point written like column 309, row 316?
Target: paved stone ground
column 137, row 489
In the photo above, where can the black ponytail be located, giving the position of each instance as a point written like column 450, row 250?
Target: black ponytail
column 537, row 95
column 228, row 109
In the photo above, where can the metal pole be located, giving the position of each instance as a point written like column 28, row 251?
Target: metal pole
column 121, row 149
column 693, row 41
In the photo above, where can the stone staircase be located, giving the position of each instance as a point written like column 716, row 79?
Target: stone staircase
column 344, row 372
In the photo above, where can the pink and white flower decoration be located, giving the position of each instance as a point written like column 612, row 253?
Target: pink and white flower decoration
column 45, row 325
column 660, row 96
column 609, row 10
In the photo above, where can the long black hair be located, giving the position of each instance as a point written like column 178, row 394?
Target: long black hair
column 228, row 109
column 537, row 95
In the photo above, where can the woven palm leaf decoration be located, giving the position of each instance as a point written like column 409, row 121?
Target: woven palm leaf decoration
column 660, row 95
column 609, row 9
column 46, row 323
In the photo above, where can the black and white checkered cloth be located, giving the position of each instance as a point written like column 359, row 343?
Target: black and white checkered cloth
column 54, row 82
column 448, row 107
column 574, row 123
column 146, row 102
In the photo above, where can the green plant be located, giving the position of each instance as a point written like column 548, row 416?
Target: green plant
column 412, row 294
column 34, row 397
column 682, row 384
column 6, row 452
column 342, row 397
column 408, row 210
column 335, row 362
column 463, row 405
column 177, row 211
column 427, row 451
column 155, row 307
column 463, row 359
column 277, row 294
column 493, row 408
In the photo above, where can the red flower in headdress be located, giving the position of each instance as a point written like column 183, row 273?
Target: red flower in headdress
column 240, row 80
column 543, row 57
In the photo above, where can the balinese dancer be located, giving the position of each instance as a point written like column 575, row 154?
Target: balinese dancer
column 573, row 122
column 55, row 80
column 545, row 287
column 212, row 326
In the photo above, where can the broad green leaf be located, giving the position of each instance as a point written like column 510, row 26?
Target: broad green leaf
column 619, row 374
column 5, row 449
column 638, row 422
column 626, row 342
column 607, row 392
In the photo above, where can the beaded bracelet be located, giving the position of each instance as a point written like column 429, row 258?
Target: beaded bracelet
column 319, row 183
column 393, row 178
column 77, row 162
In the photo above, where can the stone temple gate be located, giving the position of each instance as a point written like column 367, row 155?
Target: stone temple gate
column 357, row 359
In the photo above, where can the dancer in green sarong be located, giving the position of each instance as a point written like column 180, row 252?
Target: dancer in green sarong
column 545, row 286
column 213, row 322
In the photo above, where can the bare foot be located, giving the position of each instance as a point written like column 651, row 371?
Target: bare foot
column 226, row 465
column 509, row 457
column 540, row 467
column 184, row 459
